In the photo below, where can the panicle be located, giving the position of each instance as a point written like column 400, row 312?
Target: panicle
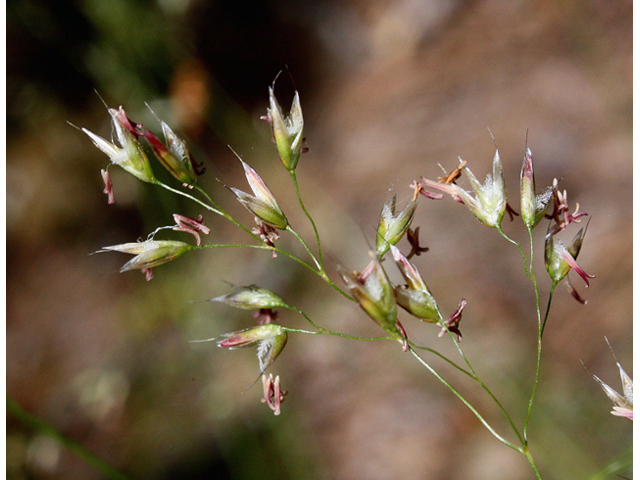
column 490, row 201
column 392, row 227
column 559, row 259
column 129, row 153
column 251, row 297
column 375, row 295
column 622, row 403
column 149, row 254
column 262, row 203
column 287, row 131
column 414, row 296
column 270, row 339
column 174, row 156
column 533, row 207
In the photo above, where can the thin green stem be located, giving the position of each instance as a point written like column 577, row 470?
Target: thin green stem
column 207, row 196
column 541, row 325
column 321, row 330
column 528, row 268
column 530, row 272
column 443, row 357
column 546, row 315
column 306, row 317
column 536, row 380
column 321, row 274
column 306, row 247
column 226, row 215
column 44, row 428
column 476, row 378
column 465, row 401
column 502, row 409
column 532, row 463
column 258, row 247
column 326, row 278
column 337, row 334
column 621, row 464
column 454, row 339
column 214, row 207
column 319, row 270
column 313, row 224
column 471, row 372
column 523, row 450
column 319, row 261
column 524, row 258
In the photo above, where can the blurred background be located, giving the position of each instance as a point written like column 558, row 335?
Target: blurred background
column 389, row 89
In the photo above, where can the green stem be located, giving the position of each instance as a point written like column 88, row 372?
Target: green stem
column 472, row 373
column 304, row 209
column 502, row 409
column 622, row 464
column 44, row 428
column 326, row 278
column 546, row 315
column 207, row 196
column 226, row 215
column 474, row 376
column 259, row 247
column 319, row 270
column 214, row 207
column 321, row 274
column 306, row 247
column 541, row 324
column 465, row 401
column 524, row 258
column 306, row 317
column 530, row 273
column 211, row 208
column 524, row 450
column 528, row 268
column 319, row 261
column 321, row 330
column 337, row 334
column 532, row 463
column 536, row 380
column 443, row 357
